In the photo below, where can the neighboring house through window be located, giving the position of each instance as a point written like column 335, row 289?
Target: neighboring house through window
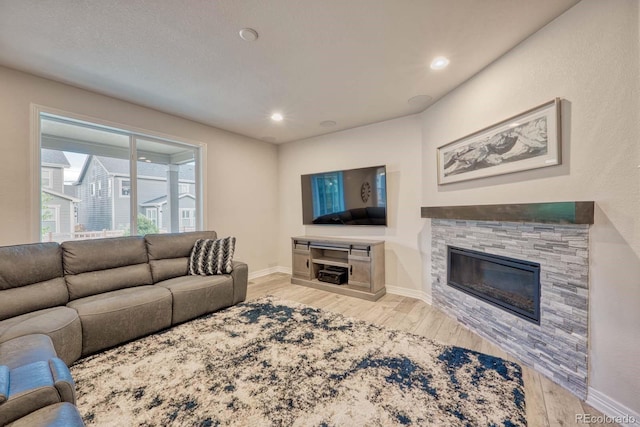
column 187, row 218
column 91, row 162
column 50, row 219
column 152, row 214
column 47, row 181
column 125, row 187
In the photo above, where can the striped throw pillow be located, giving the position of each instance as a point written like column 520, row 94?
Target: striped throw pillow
column 210, row 256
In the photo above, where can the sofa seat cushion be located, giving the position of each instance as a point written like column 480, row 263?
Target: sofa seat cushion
column 61, row 324
column 59, row 415
column 194, row 296
column 115, row 317
column 26, row 349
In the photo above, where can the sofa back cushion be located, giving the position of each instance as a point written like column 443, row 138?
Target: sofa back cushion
column 26, row 264
column 102, row 265
column 30, row 278
column 169, row 253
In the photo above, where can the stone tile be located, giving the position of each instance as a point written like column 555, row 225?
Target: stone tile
column 558, row 346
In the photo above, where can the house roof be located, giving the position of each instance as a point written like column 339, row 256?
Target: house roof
column 61, row 195
column 120, row 167
column 163, row 199
column 71, row 190
column 53, row 158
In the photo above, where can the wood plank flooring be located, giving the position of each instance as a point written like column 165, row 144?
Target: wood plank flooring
column 547, row 403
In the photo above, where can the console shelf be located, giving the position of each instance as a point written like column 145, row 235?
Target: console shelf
column 337, row 262
column 362, row 259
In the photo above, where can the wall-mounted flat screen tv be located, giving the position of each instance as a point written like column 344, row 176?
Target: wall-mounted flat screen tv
column 346, row 197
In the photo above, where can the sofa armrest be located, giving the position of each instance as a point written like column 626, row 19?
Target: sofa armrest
column 62, row 380
column 4, row 383
column 240, row 276
column 34, row 386
column 59, row 415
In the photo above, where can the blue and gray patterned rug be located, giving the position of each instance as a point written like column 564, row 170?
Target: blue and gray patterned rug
column 274, row 362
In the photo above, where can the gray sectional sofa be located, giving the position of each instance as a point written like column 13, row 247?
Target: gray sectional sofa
column 60, row 302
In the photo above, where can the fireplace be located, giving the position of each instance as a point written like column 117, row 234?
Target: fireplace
column 510, row 284
column 557, row 345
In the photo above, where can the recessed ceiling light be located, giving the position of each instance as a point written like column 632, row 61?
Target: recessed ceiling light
column 328, row 123
column 277, row 117
column 142, row 158
column 248, row 34
column 439, row 63
column 148, row 161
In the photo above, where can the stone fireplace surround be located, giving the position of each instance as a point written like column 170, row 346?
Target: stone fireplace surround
column 558, row 347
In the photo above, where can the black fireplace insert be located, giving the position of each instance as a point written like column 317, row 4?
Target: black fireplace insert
column 509, row 283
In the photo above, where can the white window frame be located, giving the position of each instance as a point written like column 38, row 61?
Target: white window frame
column 154, row 217
column 190, row 217
column 92, row 189
column 56, row 216
column 48, row 175
column 121, row 187
column 183, row 188
column 36, row 165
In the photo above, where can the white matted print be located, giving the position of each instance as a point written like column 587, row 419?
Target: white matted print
column 529, row 140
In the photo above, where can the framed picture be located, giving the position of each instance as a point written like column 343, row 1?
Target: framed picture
column 529, row 140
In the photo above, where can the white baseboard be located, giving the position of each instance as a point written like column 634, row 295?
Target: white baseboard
column 395, row 290
column 277, row 269
column 411, row 293
column 613, row 409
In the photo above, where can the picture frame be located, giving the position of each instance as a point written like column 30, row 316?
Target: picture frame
column 529, row 140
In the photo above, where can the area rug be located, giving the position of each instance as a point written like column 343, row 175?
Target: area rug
column 270, row 362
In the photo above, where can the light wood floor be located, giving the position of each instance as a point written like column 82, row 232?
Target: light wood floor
column 547, row 403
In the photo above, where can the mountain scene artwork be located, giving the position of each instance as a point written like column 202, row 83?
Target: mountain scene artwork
column 521, row 142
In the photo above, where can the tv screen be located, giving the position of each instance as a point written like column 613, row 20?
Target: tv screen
column 346, row 197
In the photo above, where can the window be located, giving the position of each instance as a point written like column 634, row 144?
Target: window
column 95, row 161
column 187, row 218
column 328, row 193
column 45, row 175
column 125, row 188
column 152, row 214
column 381, row 187
column 50, row 221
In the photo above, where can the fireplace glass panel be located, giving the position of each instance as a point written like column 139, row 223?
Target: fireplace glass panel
column 509, row 283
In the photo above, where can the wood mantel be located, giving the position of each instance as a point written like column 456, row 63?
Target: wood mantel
column 548, row 213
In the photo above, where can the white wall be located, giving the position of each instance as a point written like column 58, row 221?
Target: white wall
column 590, row 57
column 394, row 143
column 242, row 173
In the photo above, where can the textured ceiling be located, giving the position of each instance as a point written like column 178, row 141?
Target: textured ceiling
column 354, row 62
